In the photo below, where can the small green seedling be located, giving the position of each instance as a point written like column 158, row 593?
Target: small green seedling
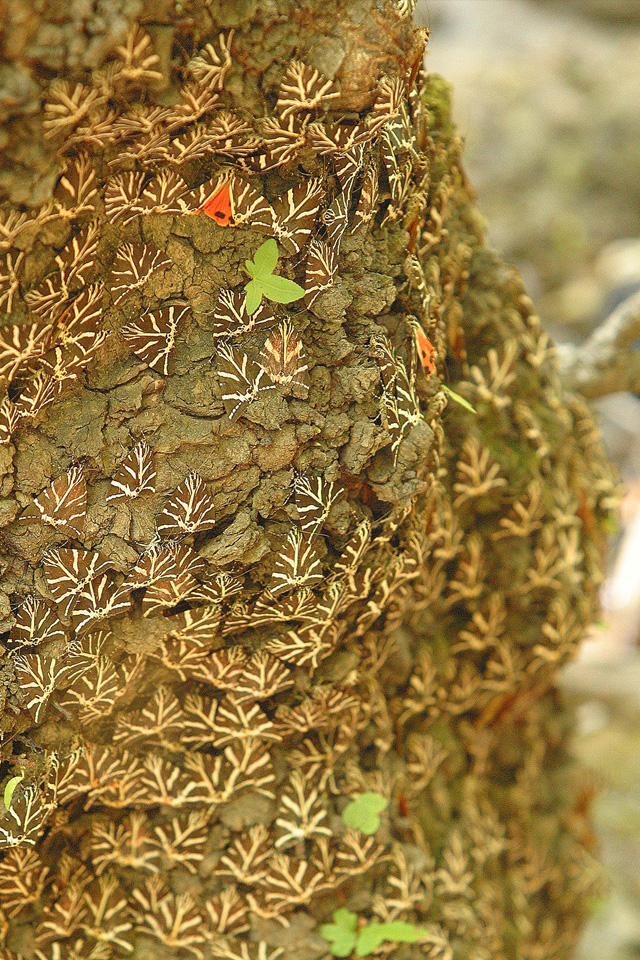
column 458, row 399
column 9, row 791
column 341, row 934
column 363, row 813
column 264, row 283
column 344, row 937
column 398, row 931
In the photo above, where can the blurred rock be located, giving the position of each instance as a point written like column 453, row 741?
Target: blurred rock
column 579, row 302
column 619, row 416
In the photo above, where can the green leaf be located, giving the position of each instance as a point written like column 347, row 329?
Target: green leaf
column 374, row 934
column 265, row 259
column 363, row 812
column 461, row 400
column 253, row 297
column 9, row 790
column 341, row 934
column 280, row 289
column 250, row 267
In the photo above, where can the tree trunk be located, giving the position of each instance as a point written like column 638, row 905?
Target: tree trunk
column 258, row 565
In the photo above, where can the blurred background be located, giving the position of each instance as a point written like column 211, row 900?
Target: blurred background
column 547, row 96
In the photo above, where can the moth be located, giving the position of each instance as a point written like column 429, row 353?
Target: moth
column 153, row 336
column 21, row 347
column 351, row 557
column 249, row 206
column 134, row 264
column 190, row 509
column 95, row 133
column 295, row 214
column 213, row 199
column 63, row 505
column 321, row 269
column 199, row 628
column 36, row 396
column 198, row 99
column 12, row 224
column 228, row 135
column 143, row 119
column 261, row 678
column 162, row 194
column 167, row 593
column 122, row 196
column 192, row 145
column 387, row 105
column 65, row 364
column 79, row 325
column 163, row 561
column 76, row 191
column 211, row 65
column 135, row 475
column 314, row 502
column 290, row 218
column 425, row 349
column 304, row 647
column 303, row 88
column 399, row 405
column 282, row 358
column 10, row 417
column 68, row 571
column 67, row 106
column 267, row 610
column 93, row 691
column 73, row 267
column 368, row 200
column 336, row 220
column 242, row 380
column 136, row 64
column 35, row 623
column 346, row 147
column 9, row 279
column 230, row 317
column 218, row 207
column 221, row 588
column 148, row 150
column 100, row 599
column 298, row 565
column 282, row 139
column 38, row 679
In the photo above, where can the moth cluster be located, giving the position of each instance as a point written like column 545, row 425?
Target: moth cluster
column 106, row 834
column 168, row 739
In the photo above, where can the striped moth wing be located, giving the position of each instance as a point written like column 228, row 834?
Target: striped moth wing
column 283, row 360
column 153, row 336
column 298, row 565
column 314, row 501
column 63, row 505
column 135, row 475
column 134, row 264
column 189, row 509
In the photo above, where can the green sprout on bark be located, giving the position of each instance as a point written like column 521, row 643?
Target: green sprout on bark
column 458, row 399
column 9, row 791
column 264, row 283
column 363, row 813
column 343, row 935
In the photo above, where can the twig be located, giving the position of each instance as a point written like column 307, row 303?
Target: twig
column 606, row 362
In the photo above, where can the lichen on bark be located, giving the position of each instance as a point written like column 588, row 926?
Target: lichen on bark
column 185, row 764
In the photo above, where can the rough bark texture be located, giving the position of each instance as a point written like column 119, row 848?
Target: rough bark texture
column 184, row 772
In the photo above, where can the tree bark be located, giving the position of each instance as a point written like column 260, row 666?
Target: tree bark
column 186, row 754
